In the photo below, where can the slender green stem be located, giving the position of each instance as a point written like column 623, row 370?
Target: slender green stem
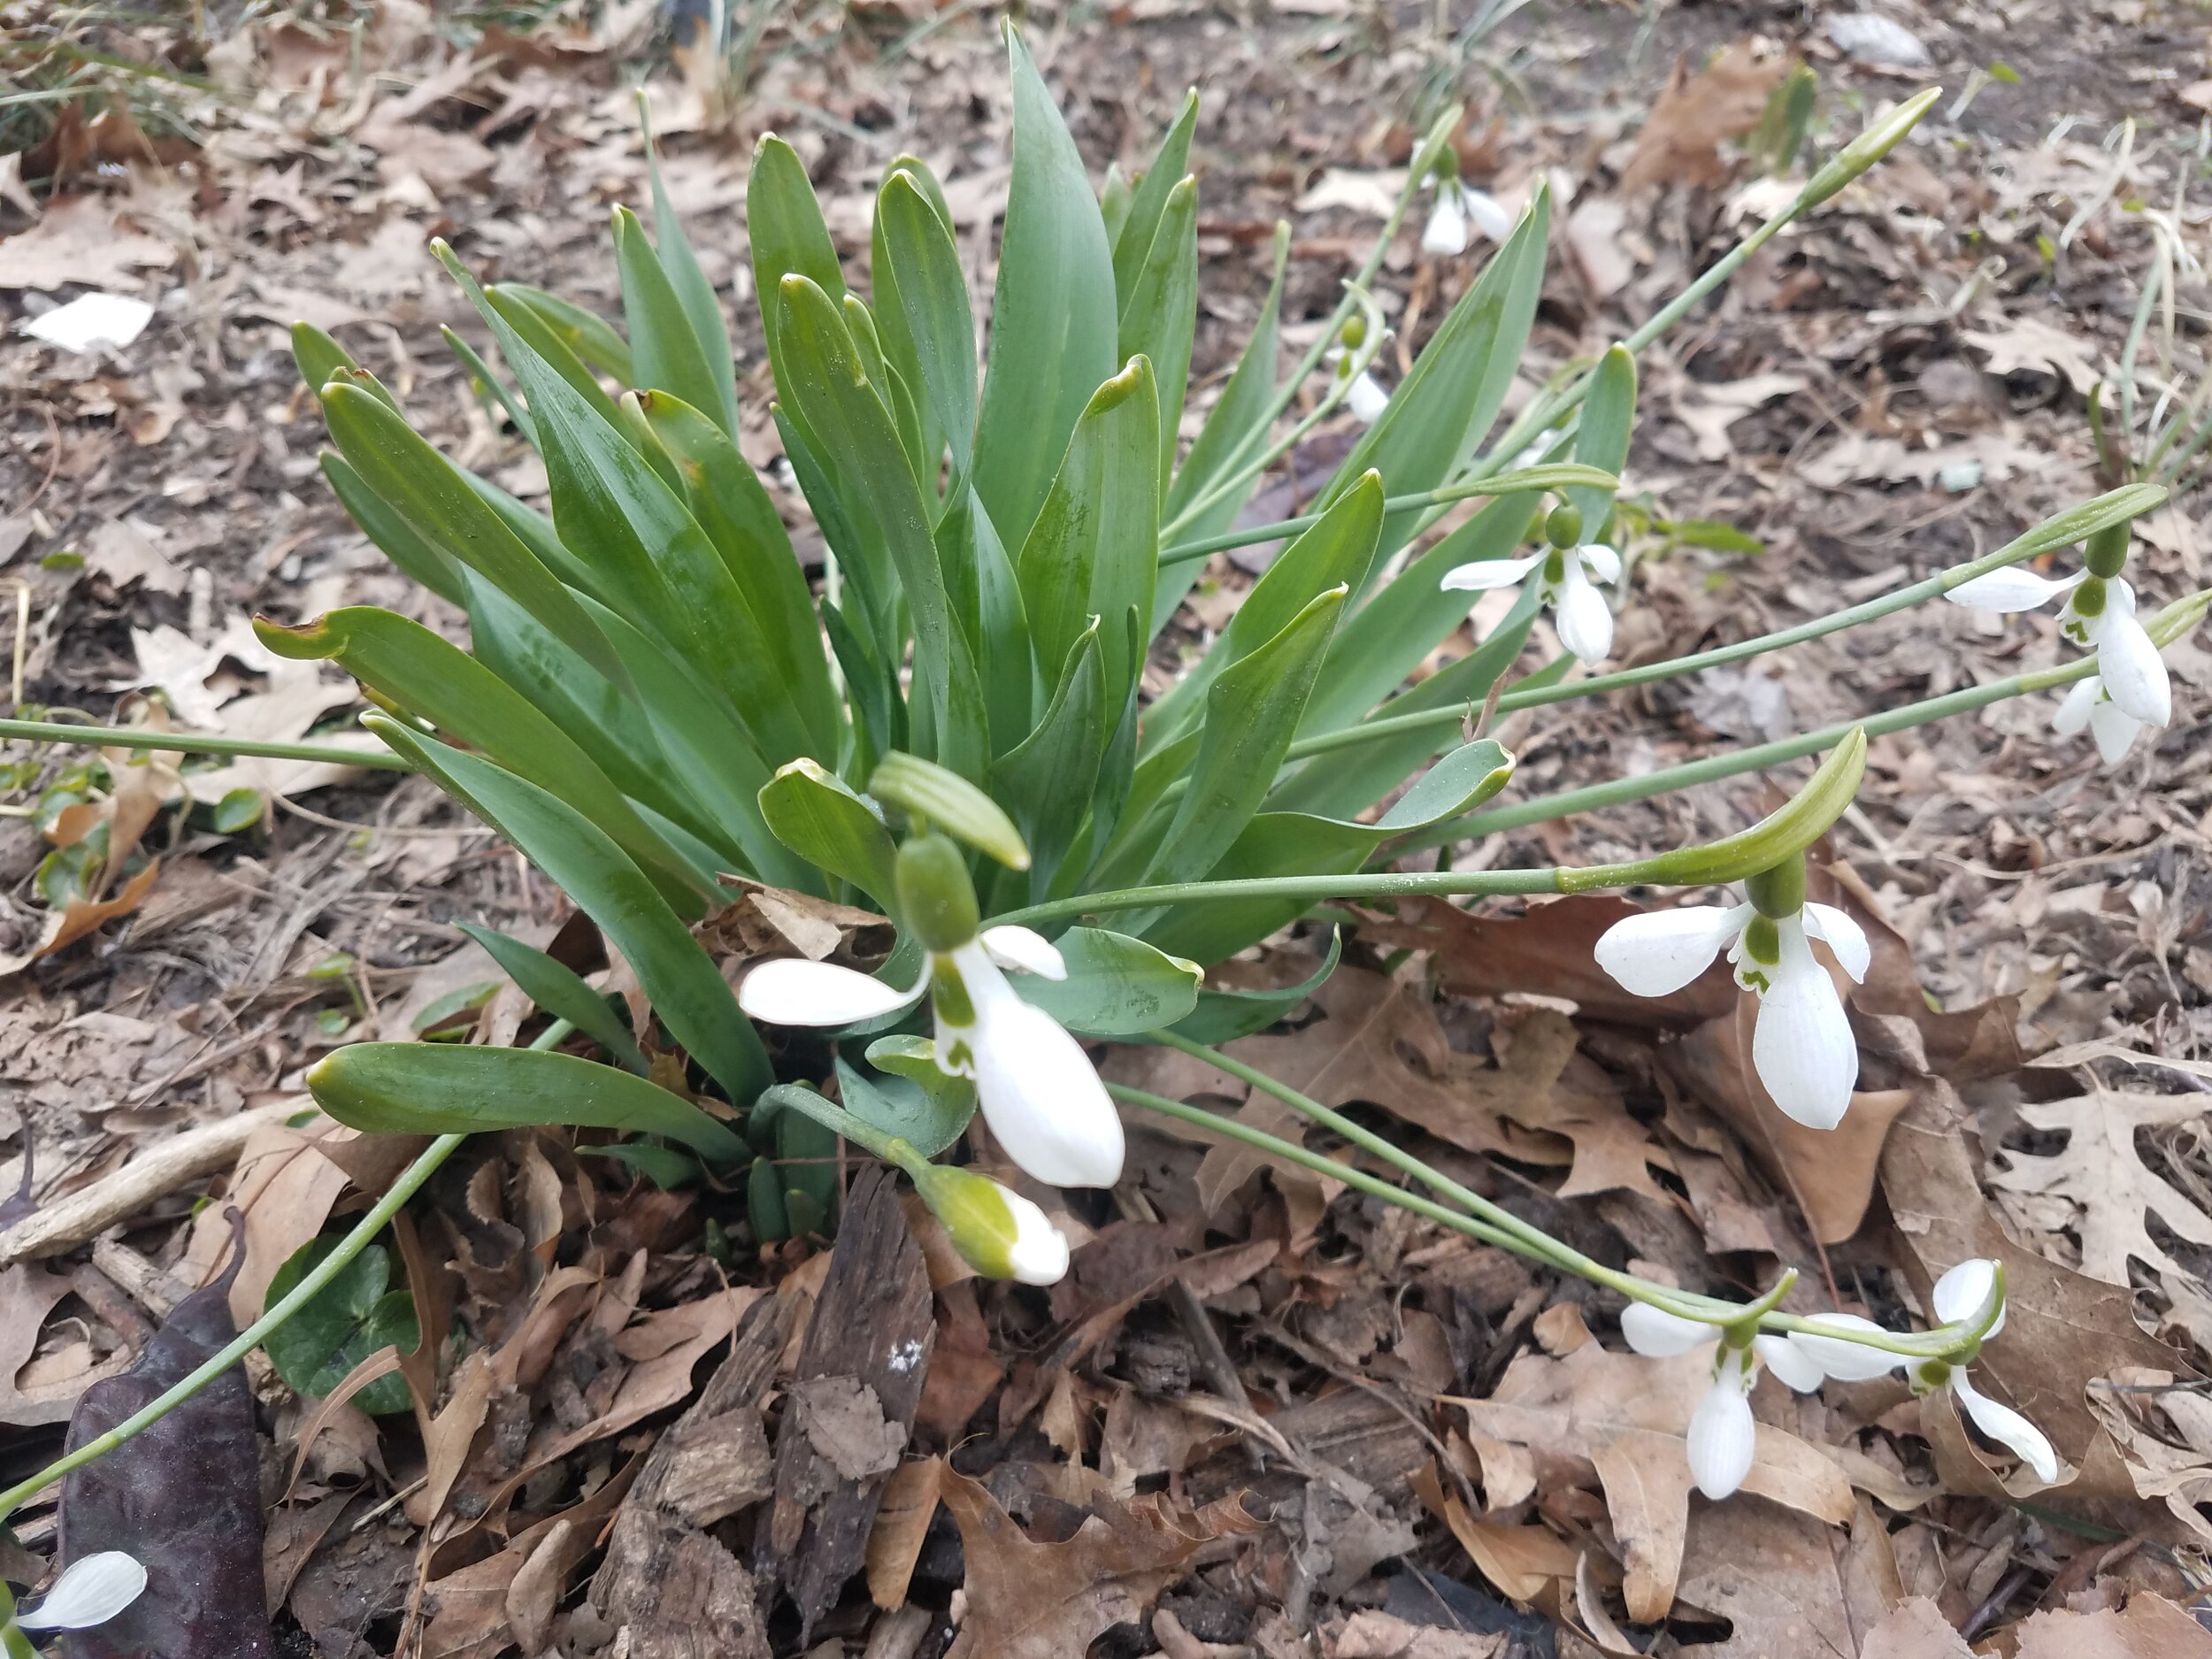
column 2130, row 501
column 410, row 1182
column 197, row 743
column 1390, row 884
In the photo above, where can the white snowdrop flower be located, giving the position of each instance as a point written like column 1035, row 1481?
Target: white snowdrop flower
column 1962, row 1296
column 1037, row 1088
column 1722, row 1435
column 1365, row 397
column 1802, row 1044
column 2099, row 615
column 1487, row 214
column 90, row 1591
column 1445, row 233
column 2089, row 706
column 1566, row 573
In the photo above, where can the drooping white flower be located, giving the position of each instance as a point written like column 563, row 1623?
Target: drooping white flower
column 1487, row 214
column 91, row 1590
column 1962, row 1296
column 2089, row 706
column 2099, row 615
column 1722, row 1435
column 1037, row 1088
column 1364, row 397
column 1802, row 1044
column 1445, row 233
column 1567, row 581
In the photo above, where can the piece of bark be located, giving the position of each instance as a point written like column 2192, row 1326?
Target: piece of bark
column 677, row 1593
column 856, row 1387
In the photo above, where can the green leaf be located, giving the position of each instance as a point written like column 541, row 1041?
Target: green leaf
column 926, row 310
column 430, row 494
column 561, row 991
column 1160, row 314
column 764, row 1202
column 1116, row 986
column 818, row 817
column 666, row 1168
column 688, row 991
column 1049, row 777
column 1094, row 548
column 412, row 1088
column 1438, row 416
column 239, row 810
column 1054, row 314
column 400, row 542
column 351, row 1318
column 1225, row 1016
column 669, row 354
column 1609, row 421
column 783, row 218
column 429, row 676
column 932, row 1115
column 1137, row 235
column 320, row 360
column 985, row 599
column 585, row 333
column 517, row 318
column 491, row 390
column 696, row 294
column 731, row 506
column 806, row 1153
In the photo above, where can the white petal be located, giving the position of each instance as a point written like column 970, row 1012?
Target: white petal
column 1801, row 1045
column 1658, row 953
column 1584, row 619
column 1039, row 1252
column 1367, row 399
column 1844, row 936
column 1447, row 230
column 1042, row 1098
column 2012, row 589
column 2134, row 674
column 1964, row 1292
column 1485, row 573
column 1601, row 562
column 1722, row 1436
column 1841, row 1358
column 2006, row 1427
column 2074, row 711
column 2115, row 729
column 1658, row 1334
column 1796, row 1368
column 90, row 1591
column 1486, row 214
column 792, row 991
column 1025, row 950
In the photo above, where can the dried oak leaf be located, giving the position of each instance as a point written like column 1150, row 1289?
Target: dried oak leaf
column 1587, row 1414
column 1696, row 114
column 2149, row 1627
column 1031, row 1600
column 2100, row 1170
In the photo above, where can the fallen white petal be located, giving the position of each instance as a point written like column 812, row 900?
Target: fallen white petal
column 1658, row 953
column 1367, row 399
column 1446, row 229
column 792, row 991
column 1025, row 950
column 1584, row 619
column 1843, row 935
column 1840, row 1358
column 2134, row 672
column 1721, row 1437
column 2115, row 730
column 1964, row 1292
column 91, row 321
column 1796, row 1369
column 90, row 1591
column 2012, row 588
column 1802, row 1044
column 2006, row 1427
column 1658, row 1334
column 1487, row 574
column 1601, row 562
column 1042, row 1098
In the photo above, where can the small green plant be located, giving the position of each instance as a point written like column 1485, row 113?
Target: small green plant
column 950, row 733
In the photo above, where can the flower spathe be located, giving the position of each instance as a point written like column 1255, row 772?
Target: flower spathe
column 2099, row 615
column 1037, row 1088
column 1801, row 1045
column 1722, row 1436
column 1566, row 583
column 91, row 1590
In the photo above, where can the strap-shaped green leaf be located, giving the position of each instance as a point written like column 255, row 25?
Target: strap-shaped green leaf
column 1438, row 416
column 925, row 315
column 696, row 295
column 688, row 991
column 320, row 358
column 987, row 602
column 783, row 218
column 1053, row 313
column 818, row 816
column 1095, row 549
column 1225, row 1016
column 399, row 541
column 427, row 675
column 1049, row 778
column 587, row 334
column 494, row 392
column 1137, row 231
column 1609, row 421
column 416, row 1088
column 525, row 320
column 561, row 991
column 1160, row 313
column 429, row 493
column 1116, row 986
column 668, row 353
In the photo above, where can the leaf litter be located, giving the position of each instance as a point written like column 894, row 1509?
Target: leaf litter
column 593, row 1458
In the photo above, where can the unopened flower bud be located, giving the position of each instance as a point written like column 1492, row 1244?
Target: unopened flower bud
column 1563, row 528
column 997, row 1232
